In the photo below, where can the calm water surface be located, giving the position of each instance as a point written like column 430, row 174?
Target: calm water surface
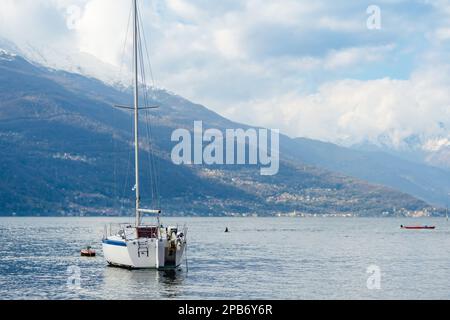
column 262, row 258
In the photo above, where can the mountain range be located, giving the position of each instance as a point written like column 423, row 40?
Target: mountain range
column 67, row 151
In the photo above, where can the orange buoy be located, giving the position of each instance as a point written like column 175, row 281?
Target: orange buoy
column 88, row 252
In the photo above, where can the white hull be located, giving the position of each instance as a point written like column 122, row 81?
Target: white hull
column 144, row 253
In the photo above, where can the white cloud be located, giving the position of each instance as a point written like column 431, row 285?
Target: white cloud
column 335, row 24
column 286, row 12
column 101, row 30
column 442, row 34
column 353, row 56
column 184, row 9
column 353, row 111
column 228, row 43
column 24, row 20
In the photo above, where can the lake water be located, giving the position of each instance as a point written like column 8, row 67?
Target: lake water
column 261, row 258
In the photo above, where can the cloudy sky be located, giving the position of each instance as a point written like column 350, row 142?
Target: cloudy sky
column 309, row 68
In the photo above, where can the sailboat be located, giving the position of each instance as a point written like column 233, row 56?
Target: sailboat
column 139, row 245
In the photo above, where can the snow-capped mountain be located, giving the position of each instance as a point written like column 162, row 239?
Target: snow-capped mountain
column 317, row 165
column 63, row 123
column 429, row 146
column 432, row 149
column 71, row 61
column 6, row 55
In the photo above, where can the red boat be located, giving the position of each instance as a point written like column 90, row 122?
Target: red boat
column 418, row 227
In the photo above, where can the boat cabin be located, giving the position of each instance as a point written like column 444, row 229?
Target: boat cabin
column 150, row 232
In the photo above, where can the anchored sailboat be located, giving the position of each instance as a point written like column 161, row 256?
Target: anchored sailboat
column 141, row 246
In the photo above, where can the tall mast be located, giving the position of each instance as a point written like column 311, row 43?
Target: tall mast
column 136, row 111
